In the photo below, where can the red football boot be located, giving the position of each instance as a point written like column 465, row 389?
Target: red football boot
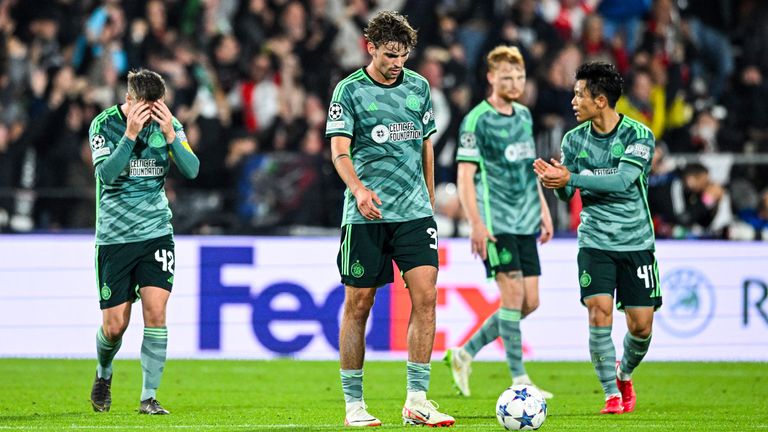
column 628, row 395
column 613, row 405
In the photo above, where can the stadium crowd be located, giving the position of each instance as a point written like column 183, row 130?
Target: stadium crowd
column 250, row 80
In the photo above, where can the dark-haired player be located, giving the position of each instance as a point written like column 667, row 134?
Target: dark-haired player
column 608, row 157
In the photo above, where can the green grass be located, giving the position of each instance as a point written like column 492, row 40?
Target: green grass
column 292, row 395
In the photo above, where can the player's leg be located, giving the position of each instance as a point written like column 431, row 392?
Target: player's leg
column 531, row 295
column 418, row 409
column 459, row 359
column 597, row 278
column 510, row 285
column 531, row 266
column 113, row 275
column 414, row 246
column 109, row 338
column 357, row 306
column 363, row 265
column 639, row 295
column 525, row 245
column 155, row 277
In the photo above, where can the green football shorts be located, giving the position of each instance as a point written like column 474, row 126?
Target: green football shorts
column 121, row 269
column 513, row 252
column 634, row 276
column 367, row 250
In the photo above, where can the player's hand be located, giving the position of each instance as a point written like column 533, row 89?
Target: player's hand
column 162, row 115
column 366, row 203
column 479, row 239
column 552, row 176
column 137, row 118
column 547, row 229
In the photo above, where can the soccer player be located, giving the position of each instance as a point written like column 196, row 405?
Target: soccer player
column 505, row 206
column 379, row 121
column 608, row 158
column 132, row 145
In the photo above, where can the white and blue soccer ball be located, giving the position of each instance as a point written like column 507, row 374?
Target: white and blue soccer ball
column 521, row 407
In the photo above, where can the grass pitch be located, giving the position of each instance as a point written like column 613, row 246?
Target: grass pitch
column 291, row 395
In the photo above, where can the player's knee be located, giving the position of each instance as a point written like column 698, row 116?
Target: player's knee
column 425, row 301
column 529, row 306
column 640, row 330
column 360, row 307
column 114, row 329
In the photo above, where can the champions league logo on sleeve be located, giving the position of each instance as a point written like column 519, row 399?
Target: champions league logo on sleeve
column 689, row 302
column 97, row 146
column 335, row 111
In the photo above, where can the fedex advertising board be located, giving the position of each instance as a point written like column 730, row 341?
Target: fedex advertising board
column 245, row 297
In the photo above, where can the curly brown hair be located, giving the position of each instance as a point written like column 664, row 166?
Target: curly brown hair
column 390, row 27
column 145, row 85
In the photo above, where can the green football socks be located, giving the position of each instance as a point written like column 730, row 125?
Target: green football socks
column 603, row 355
column 509, row 329
column 352, row 384
column 634, row 351
column 153, row 351
column 487, row 333
column 105, row 352
column 418, row 376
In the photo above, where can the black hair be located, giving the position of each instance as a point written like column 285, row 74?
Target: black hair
column 601, row 79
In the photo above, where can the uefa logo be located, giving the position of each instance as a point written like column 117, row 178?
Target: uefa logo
column 689, row 302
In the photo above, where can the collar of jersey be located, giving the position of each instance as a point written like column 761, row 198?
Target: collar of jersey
column 394, row 84
column 597, row 134
column 493, row 108
column 120, row 113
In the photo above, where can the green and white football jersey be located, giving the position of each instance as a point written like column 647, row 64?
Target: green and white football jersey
column 619, row 221
column 388, row 125
column 134, row 207
column 505, row 184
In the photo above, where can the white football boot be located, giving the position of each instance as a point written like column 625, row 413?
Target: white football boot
column 460, row 363
column 358, row 416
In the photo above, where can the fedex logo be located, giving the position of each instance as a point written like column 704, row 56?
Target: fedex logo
column 387, row 330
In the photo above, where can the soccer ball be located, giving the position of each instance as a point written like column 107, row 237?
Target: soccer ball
column 521, row 407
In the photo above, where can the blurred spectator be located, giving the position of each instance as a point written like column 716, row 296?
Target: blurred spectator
column 597, row 48
column 700, row 207
column 623, row 20
column 567, row 16
column 648, row 103
column 709, row 51
column 757, row 217
column 749, row 101
column 553, row 114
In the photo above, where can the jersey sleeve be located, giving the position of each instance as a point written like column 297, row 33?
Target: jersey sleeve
column 568, row 160
column 101, row 147
column 181, row 153
column 640, row 151
column 469, row 149
column 428, row 115
column 340, row 119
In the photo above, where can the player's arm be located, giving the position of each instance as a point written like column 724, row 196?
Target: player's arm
column 342, row 161
column 627, row 174
column 109, row 168
column 428, row 166
column 180, row 152
column 547, row 228
column 636, row 156
column 479, row 235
